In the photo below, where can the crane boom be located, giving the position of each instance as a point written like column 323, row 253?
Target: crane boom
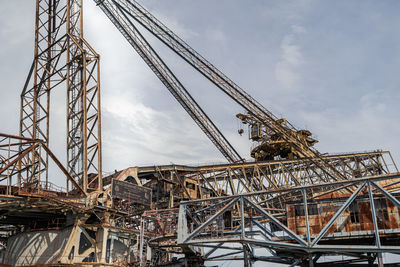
column 123, row 23
column 180, row 47
column 285, row 131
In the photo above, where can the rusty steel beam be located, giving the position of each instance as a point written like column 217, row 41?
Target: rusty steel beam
column 19, row 157
column 17, row 137
column 64, row 170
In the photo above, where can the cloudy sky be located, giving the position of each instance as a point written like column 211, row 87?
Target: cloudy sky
column 328, row 66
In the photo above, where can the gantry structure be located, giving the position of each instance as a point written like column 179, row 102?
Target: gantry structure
column 290, row 204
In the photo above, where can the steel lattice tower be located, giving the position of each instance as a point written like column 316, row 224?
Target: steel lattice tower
column 63, row 60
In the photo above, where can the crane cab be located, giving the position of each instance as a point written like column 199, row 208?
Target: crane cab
column 255, row 131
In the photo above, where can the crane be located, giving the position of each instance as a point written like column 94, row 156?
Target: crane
column 96, row 209
column 171, row 82
column 277, row 137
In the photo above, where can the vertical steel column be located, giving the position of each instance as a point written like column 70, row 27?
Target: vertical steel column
column 83, row 111
column 243, row 234
column 376, row 229
column 35, row 97
column 75, row 88
column 310, row 259
column 141, row 240
column 306, row 215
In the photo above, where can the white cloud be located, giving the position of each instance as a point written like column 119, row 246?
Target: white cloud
column 286, row 70
column 216, row 36
column 172, row 23
column 143, row 135
column 372, row 126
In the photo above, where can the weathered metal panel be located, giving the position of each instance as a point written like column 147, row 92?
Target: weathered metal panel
column 388, row 217
column 131, row 192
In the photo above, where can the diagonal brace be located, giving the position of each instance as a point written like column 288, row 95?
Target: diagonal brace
column 278, row 223
column 208, row 222
column 333, row 219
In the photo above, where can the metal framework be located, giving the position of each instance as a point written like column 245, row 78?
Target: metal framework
column 83, row 115
column 123, row 13
column 125, row 10
column 15, row 155
column 59, row 226
column 232, row 179
column 291, row 211
column 216, row 224
column 63, row 57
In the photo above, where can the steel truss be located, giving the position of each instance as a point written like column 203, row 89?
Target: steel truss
column 123, row 14
column 232, row 179
column 134, row 10
column 55, row 211
column 215, row 224
column 63, row 57
column 15, row 155
column 158, row 227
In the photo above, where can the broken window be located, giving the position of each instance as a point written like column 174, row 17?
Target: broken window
column 84, row 243
column 299, row 210
column 190, row 186
column 381, row 209
column 90, row 258
column 312, row 209
column 354, row 212
column 108, row 250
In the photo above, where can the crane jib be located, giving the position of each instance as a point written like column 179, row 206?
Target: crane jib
column 122, row 12
column 119, row 18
